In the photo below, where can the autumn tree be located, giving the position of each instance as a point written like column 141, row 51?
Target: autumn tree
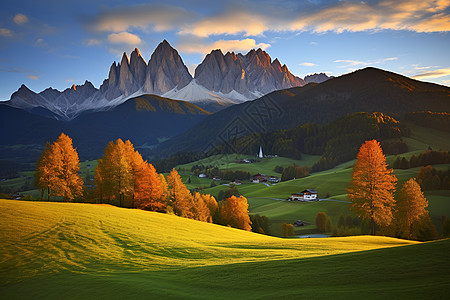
column 287, row 229
column 234, row 212
column 321, row 222
column 411, row 206
column 179, row 196
column 62, row 177
column 114, row 177
column 43, row 172
column 372, row 186
column 200, row 208
column 212, row 205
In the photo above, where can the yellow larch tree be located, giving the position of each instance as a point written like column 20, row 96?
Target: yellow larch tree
column 64, row 178
column 372, row 186
column 234, row 212
column 179, row 196
column 115, row 178
column 411, row 206
column 200, row 208
column 43, row 172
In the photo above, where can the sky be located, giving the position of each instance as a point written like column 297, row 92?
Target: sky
column 56, row 43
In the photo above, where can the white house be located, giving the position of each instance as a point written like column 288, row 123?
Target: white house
column 306, row 195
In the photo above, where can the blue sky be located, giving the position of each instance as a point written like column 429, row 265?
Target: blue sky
column 59, row 43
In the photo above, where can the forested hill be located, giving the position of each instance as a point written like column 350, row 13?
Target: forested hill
column 366, row 90
column 337, row 141
column 144, row 120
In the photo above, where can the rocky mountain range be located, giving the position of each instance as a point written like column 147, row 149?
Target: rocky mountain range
column 220, row 80
column 317, row 78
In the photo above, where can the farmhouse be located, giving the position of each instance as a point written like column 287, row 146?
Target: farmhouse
column 306, row 195
column 274, row 179
column 259, row 178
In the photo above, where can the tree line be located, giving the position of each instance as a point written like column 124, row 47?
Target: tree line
column 213, row 171
column 124, row 178
column 435, row 120
column 337, row 141
column 429, row 157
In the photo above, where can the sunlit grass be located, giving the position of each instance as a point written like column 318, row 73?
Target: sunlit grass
column 86, row 251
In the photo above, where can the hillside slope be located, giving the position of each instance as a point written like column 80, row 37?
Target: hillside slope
column 366, row 90
column 86, row 250
column 143, row 120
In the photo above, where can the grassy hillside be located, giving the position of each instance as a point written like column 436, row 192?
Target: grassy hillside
column 264, row 166
column 89, row 251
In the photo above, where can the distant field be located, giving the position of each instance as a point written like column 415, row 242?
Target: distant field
column 264, row 166
column 92, row 251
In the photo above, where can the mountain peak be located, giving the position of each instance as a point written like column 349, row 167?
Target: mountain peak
column 164, row 46
column 136, row 51
column 124, row 59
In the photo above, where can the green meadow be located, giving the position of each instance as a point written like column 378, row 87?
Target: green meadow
column 70, row 250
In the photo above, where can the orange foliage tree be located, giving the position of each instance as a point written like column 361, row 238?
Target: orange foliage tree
column 43, row 172
column 212, row 205
column 372, row 187
column 179, row 196
column 150, row 189
column 123, row 174
column 411, row 206
column 57, row 170
column 114, row 178
column 234, row 212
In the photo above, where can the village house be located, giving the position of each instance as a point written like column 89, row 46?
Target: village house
column 306, row 195
column 274, row 179
column 259, row 178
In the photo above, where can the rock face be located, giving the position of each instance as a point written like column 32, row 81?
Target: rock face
column 251, row 75
column 166, row 71
column 317, row 78
column 220, row 80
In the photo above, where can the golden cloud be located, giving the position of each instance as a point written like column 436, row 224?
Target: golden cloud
column 231, row 22
column 415, row 15
column 6, row 32
column 225, row 45
column 124, row 38
column 20, row 19
column 34, row 77
column 433, row 74
column 159, row 17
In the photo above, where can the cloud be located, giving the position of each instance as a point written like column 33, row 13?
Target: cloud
column 194, row 46
column 124, row 38
column 20, row 19
column 34, row 77
column 93, row 42
column 41, row 43
column 230, row 22
column 6, row 32
column 15, row 70
column 29, row 73
column 307, row 64
column 146, row 16
column 348, row 63
column 433, row 74
column 338, row 16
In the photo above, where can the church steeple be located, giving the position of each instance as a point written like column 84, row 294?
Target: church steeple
column 260, row 155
